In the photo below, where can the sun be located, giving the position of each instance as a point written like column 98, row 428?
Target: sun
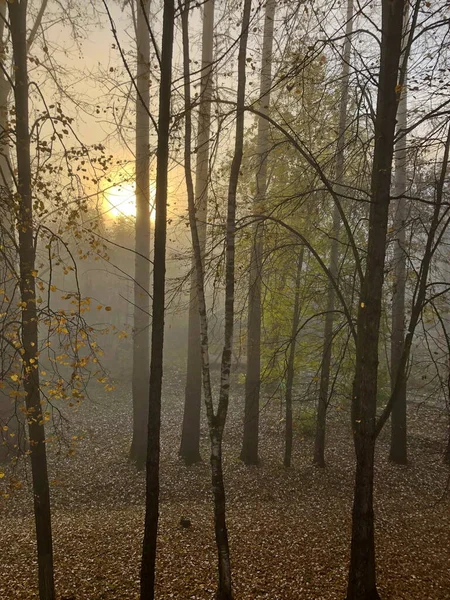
column 120, row 200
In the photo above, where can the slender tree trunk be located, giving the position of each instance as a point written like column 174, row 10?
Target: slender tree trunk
column 141, row 317
column 217, row 419
column 8, row 254
column 249, row 452
column 290, row 371
column 158, row 312
column 29, row 324
column 319, row 443
column 362, row 579
column 398, row 451
column 190, row 437
column 224, row 591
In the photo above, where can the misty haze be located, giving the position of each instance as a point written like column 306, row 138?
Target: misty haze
column 224, row 300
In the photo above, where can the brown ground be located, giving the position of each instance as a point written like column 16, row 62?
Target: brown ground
column 289, row 529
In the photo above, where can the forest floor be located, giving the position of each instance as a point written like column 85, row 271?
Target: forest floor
column 289, row 528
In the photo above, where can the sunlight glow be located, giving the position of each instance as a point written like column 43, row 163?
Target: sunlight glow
column 120, row 200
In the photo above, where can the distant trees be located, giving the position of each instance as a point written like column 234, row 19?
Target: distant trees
column 190, row 435
column 325, row 368
column 249, row 452
column 141, row 312
column 398, row 450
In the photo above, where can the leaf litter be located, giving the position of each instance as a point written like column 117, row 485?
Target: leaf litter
column 289, row 528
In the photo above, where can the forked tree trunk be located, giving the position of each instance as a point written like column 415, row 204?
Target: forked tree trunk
column 362, row 578
column 217, row 418
column 29, row 324
column 158, row 312
column 398, row 450
column 249, row 452
column 290, row 371
column 141, row 313
column 319, row 442
column 190, row 436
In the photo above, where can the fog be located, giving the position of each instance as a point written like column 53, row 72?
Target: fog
column 224, row 300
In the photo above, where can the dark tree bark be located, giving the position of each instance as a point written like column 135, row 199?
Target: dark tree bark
column 398, row 451
column 217, row 418
column 141, row 315
column 29, row 324
column 158, row 311
column 249, row 452
column 190, row 437
column 319, row 442
column 362, row 577
column 290, row 371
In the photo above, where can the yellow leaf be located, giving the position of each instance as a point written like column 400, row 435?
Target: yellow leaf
column 15, row 377
column 362, row 305
column 2, row 475
column 53, row 288
column 108, row 308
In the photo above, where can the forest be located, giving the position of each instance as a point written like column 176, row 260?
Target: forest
column 225, row 299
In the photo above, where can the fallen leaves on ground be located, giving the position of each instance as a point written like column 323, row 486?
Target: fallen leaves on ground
column 289, row 528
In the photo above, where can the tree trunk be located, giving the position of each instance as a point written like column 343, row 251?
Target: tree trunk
column 190, row 437
column 398, row 451
column 158, row 312
column 9, row 415
column 319, row 443
column 220, row 528
column 141, row 315
column 249, row 452
column 362, row 581
column 291, row 362
column 217, row 420
column 29, row 323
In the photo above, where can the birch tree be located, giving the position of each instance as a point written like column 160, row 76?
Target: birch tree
column 217, row 416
